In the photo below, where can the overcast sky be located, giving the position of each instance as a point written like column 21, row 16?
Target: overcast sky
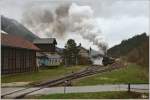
column 118, row 19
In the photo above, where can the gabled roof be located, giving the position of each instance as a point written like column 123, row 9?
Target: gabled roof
column 18, row 42
column 45, row 41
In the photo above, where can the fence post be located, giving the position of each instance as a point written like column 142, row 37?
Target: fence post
column 129, row 87
column 65, row 84
column 64, row 89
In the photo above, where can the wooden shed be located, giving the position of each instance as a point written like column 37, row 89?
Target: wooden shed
column 17, row 55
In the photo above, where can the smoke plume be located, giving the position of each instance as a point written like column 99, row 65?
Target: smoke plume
column 66, row 19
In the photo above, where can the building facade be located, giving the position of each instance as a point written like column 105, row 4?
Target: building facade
column 17, row 55
column 47, row 56
column 45, row 59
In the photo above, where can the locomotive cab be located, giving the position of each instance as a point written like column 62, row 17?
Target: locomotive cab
column 107, row 60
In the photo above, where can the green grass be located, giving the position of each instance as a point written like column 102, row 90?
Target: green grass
column 43, row 74
column 130, row 74
column 95, row 95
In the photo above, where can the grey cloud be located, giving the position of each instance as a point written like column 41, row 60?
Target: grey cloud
column 105, row 9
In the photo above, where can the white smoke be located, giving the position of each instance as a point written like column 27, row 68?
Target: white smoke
column 83, row 22
column 69, row 18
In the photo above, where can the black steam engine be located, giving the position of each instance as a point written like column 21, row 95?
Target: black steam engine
column 107, row 60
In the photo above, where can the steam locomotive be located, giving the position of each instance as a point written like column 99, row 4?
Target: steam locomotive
column 107, row 60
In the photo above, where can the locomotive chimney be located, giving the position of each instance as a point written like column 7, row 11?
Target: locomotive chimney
column 90, row 50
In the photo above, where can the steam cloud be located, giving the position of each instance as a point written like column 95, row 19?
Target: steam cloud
column 68, row 18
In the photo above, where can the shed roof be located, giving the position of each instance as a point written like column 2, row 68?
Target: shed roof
column 45, row 41
column 18, row 42
column 48, row 55
column 56, row 56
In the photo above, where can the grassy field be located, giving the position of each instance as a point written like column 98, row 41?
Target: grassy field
column 130, row 74
column 43, row 74
column 95, row 95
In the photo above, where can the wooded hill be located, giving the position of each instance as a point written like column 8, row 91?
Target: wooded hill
column 13, row 27
column 135, row 49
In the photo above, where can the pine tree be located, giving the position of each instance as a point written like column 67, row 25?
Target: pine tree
column 71, row 53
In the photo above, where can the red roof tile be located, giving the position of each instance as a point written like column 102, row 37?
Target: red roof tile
column 15, row 41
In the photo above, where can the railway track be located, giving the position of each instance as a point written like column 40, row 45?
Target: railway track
column 60, row 81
